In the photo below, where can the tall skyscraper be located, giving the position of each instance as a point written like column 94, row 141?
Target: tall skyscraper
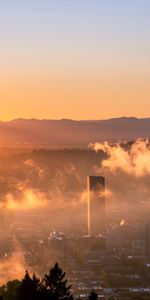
column 96, row 205
column 147, row 239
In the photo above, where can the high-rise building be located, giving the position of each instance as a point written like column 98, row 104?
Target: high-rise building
column 96, row 205
column 147, row 238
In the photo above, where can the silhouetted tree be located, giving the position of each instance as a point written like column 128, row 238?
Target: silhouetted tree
column 93, row 295
column 30, row 288
column 56, row 284
column 9, row 290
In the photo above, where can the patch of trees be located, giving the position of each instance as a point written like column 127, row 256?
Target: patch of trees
column 53, row 286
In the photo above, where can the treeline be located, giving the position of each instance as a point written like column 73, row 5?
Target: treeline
column 53, row 286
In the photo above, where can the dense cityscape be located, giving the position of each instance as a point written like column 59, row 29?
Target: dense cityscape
column 96, row 251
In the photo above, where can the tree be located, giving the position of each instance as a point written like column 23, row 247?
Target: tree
column 30, row 288
column 56, row 284
column 9, row 290
column 93, row 295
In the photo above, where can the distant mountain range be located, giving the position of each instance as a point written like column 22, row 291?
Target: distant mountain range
column 34, row 132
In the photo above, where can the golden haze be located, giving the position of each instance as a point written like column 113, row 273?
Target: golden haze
column 90, row 96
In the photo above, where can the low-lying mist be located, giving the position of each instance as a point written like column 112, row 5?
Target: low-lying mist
column 45, row 190
column 53, row 182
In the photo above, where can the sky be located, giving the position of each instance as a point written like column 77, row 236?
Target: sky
column 78, row 59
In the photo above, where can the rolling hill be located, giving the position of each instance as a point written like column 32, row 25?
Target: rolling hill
column 34, row 132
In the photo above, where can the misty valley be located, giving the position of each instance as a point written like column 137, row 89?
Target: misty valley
column 44, row 214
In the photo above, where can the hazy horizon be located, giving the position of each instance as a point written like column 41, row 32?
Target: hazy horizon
column 71, row 119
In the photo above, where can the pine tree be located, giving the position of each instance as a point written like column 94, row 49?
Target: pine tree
column 30, row 288
column 93, row 295
column 56, row 284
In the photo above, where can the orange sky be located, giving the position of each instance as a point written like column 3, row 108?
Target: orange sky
column 82, row 97
column 74, row 59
